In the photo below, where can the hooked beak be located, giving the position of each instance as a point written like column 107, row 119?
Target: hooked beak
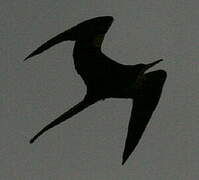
column 153, row 63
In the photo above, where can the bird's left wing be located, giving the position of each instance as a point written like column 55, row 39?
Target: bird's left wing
column 144, row 104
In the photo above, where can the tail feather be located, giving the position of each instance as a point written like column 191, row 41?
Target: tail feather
column 71, row 112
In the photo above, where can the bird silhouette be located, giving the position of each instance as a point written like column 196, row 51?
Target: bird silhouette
column 106, row 78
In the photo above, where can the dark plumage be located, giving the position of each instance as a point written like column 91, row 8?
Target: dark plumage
column 106, row 78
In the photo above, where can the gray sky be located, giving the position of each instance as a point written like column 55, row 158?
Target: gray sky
column 90, row 145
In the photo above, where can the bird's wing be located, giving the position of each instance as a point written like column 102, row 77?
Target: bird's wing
column 96, row 26
column 66, row 35
column 144, row 104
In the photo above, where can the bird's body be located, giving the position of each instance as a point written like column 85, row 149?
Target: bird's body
column 97, row 70
column 106, row 78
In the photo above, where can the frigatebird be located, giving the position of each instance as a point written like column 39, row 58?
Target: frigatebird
column 106, row 78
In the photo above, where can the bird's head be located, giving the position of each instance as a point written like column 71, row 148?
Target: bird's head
column 142, row 68
column 94, row 29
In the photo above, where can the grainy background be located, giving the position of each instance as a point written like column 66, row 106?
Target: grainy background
column 90, row 145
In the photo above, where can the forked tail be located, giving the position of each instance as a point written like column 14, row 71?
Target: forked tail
column 71, row 112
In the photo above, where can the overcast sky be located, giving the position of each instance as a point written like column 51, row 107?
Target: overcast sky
column 90, row 145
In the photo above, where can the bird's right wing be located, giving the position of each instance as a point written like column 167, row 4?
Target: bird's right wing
column 144, row 104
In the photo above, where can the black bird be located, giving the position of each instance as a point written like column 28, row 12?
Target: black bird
column 106, row 78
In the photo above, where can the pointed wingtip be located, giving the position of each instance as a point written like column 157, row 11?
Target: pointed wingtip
column 126, row 154
column 124, row 159
column 29, row 56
